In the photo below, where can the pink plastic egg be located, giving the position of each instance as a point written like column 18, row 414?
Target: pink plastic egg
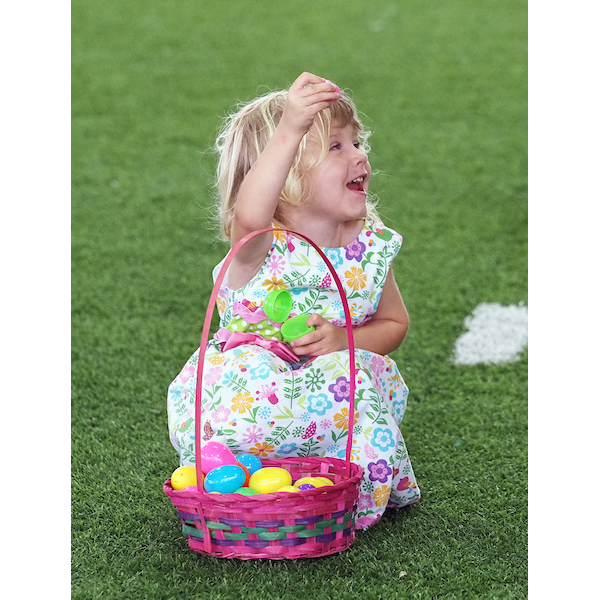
column 214, row 454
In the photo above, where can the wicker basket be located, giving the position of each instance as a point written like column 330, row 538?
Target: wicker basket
column 279, row 525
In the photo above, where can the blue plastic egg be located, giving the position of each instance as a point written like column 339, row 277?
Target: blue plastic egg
column 225, row 479
column 251, row 462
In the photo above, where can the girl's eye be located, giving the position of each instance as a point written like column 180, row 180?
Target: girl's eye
column 357, row 145
column 334, row 147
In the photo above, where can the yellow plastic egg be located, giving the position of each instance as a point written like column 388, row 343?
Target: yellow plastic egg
column 269, row 479
column 183, row 477
column 288, row 488
column 324, row 481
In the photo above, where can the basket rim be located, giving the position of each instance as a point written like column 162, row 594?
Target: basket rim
column 357, row 474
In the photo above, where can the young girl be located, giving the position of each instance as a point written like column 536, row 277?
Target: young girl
column 298, row 159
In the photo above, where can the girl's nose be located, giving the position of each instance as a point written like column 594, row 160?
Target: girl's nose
column 360, row 156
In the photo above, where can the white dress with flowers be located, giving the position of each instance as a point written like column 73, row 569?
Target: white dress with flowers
column 257, row 401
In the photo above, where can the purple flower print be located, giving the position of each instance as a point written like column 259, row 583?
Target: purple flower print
column 340, row 389
column 354, row 251
column 379, row 471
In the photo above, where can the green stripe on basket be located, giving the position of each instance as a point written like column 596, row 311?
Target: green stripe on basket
column 280, row 534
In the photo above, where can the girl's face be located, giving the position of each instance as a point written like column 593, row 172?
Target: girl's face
column 340, row 182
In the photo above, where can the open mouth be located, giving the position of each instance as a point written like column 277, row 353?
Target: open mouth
column 357, row 184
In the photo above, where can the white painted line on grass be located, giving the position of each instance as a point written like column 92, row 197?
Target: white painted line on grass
column 495, row 334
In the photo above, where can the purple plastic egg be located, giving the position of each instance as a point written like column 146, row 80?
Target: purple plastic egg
column 306, row 486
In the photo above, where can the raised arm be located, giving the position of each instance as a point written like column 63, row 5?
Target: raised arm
column 261, row 189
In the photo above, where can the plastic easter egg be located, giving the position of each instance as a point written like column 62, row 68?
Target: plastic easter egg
column 269, row 479
column 314, row 481
column 288, row 488
column 214, row 454
column 306, row 486
column 191, row 488
column 224, row 479
column 323, row 481
column 246, row 471
column 295, row 328
column 183, row 477
column 253, row 463
column 278, row 305
column 246, row 491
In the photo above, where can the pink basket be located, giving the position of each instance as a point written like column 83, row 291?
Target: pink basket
column 279, row 525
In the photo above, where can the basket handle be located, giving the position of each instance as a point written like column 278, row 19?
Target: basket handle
column 205, row 332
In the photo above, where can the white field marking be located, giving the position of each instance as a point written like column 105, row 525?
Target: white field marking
column 495, row 334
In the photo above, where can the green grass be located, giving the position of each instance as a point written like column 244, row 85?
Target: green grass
column 443, row 88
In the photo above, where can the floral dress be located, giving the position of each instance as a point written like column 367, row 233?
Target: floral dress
column 258, row 400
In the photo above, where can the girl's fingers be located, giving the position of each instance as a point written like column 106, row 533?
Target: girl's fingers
column 316, row 320
column 321, row 92
column 305, row 79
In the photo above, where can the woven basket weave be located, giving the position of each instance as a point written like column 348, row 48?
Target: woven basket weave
column 279, row 525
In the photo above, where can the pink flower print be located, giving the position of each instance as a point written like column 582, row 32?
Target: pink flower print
column 213, row 376
column 326, row 281
column 367, row 521
column 379, row 471
column 269, row 392
column 355, row 250
column 187, row 373
column 340, row 389
column 221, row 414
column 404, row 484
column 325, row 424
column 310, row 431
column 276, row 265
column 364, row 501
column 369, row 452
column 253, row 435
column 377, row 365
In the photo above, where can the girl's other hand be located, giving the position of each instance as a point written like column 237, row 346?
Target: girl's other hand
column 307, row 96
column 326, row 338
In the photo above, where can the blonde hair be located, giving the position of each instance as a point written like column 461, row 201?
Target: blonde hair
column 244, row 135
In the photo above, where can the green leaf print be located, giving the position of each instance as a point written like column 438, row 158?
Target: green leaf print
column 336, row 438
column 280, row 435
column 286, row 413
column 293, row 390
column 306, row 447
column 210, row 393
column 238, row 384
column 252, row 413
column 233, row 445
column 313, row 304
column 295, row 278
column 303, row 262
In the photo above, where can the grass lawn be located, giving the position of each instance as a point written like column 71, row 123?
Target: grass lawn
column 443, row 88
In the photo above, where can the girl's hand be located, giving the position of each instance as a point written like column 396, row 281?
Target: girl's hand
column 307, row 96
column 326, row 338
